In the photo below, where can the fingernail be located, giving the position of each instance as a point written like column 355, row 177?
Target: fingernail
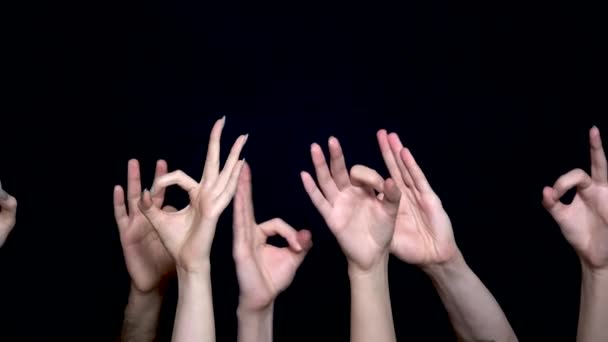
column 3, row 195
column 246, row 136
column 224, row 118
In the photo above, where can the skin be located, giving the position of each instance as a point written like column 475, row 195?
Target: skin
column 584, row 224
column 148, row 261
column 363, row 225
column 188, row 234
column 8, row 214
column 263, row 270
column 423, row 236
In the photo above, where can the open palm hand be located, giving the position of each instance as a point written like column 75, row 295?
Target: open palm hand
column 362, row 222
column 147, row 259
column 423, row 231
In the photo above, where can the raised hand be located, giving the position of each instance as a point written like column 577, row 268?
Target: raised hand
column 423, row 231
column 263, row 270
column 362, row 222
column 584, row 222
column 147, row 259
column 188, row 234
column 8, row 214
column 424, row 237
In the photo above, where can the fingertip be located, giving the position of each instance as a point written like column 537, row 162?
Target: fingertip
column 333, row 142
column 304, row 239
column 381, row 133
column 594, row 130
column 161, row 164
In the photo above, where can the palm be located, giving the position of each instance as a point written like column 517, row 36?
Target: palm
column 263, row 270
column 361, row 224
column 584, row 222
column 422, row 236
column 423, row 231
column 267, row 272
column 146, row 258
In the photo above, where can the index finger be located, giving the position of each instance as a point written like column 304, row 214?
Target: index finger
column 599, row 166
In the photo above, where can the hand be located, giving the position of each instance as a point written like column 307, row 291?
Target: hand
column 584, row 222
column 188, row 234
column 8, row 214
column 147, row 259
column 423, row 231
column 263, row 270
column 362, row 223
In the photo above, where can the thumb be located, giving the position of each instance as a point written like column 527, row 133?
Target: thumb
column 392, row 195
column 551, row 204
column 304, row 239
column 169, row 209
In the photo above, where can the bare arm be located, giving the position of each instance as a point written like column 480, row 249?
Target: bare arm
column 424, row 237
column 371, row 313
column 255, row 325
column 594, row 306
column 141, row 316
column 473, row 311
column 194, row 320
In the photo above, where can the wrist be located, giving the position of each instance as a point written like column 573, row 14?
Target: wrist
column 378, row 270
column 244, row 311
column 594, row 274
column 455, row 266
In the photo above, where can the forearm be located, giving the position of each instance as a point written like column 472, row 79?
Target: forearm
column 255, row 325
column 473, row 311
column 592, row 324
column 194, row 321
column 371, row 314
column 141, row 316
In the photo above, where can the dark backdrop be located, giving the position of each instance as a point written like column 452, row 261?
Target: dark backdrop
column 495, row 100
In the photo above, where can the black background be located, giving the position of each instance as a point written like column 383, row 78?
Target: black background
column 495, row 101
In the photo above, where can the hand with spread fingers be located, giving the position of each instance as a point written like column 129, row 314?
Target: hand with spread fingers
column 424, row 237
column 148, row 262
column 263, row 270
column 8, row 214
column 423, row 231
column 363, row 223
column 188, row 234
column 584, row 223
column 146, row 257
